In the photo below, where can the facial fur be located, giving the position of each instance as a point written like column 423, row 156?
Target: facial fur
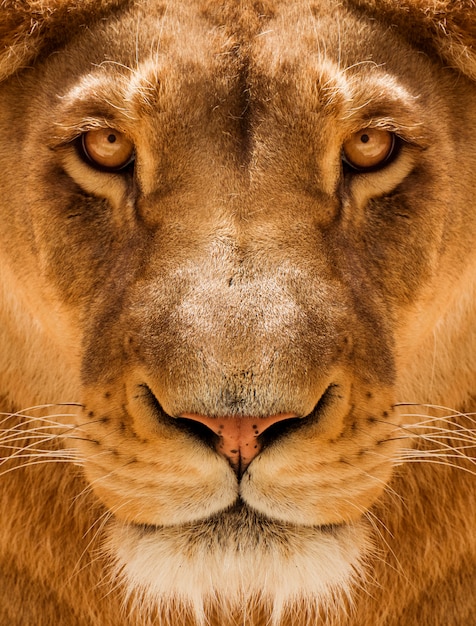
column 239, row 268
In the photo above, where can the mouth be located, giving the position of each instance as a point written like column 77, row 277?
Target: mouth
column 219, row 525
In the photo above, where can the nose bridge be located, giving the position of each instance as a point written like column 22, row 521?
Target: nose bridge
column 245, row 337
column 237, row 309
column 239, row 330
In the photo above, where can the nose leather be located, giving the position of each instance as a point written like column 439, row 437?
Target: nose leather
column 239, row 435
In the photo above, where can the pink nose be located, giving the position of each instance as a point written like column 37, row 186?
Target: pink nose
column 238, row 435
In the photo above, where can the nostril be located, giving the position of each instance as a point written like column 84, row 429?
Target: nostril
column 326, row 402
column 199, row 430
column 238, row 438
column 146, row 398
column 280, row 429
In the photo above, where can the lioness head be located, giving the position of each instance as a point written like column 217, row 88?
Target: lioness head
column 238, row 235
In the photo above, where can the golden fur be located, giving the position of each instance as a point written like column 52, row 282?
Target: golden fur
column 240, row 267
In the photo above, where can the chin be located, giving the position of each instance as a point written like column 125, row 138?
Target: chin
column 238, row 563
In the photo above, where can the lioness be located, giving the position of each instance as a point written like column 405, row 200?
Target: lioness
column 238, row 326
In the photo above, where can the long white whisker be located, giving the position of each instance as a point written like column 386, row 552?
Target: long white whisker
column 102, row 520
column 42, row 462
column 40, row 407
column 438, row 407
column 403, row 460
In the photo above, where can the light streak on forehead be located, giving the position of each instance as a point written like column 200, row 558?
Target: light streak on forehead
column 101, row 85
column 144, row 82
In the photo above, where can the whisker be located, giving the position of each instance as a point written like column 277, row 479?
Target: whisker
column 402, row 461
column 440, row 436
column 447, row 419
column 29, row 419
column 40, row 407
column 446, row 426
column 43, row 461
column 438, row 407
column 375, row 521
column 441, row 440
column 42, row 431
column 14, row 441
column 38, row 439
column 437, row 453
column 27, row 451
column 102, row 520
column 33, row 444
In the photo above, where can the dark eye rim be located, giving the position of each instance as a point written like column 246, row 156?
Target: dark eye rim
column 393, row 153
column 83, row 154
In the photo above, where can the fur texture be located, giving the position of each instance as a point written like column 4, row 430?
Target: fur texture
column 240, row 264
column 444, row 27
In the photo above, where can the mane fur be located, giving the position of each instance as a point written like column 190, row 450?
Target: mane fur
column 447, row 27
column 29, row 28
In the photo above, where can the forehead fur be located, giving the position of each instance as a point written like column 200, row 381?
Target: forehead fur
column 34, row 27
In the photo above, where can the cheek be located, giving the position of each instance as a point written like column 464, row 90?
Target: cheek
column 396, row 237
column 159, row 483
column 85, row 244
column 320, row 481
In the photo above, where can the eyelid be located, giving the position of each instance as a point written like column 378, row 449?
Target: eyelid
column 67, row 133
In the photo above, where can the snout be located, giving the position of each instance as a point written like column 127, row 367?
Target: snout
column 231, row 380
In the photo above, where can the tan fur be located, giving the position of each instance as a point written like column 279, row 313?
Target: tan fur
column 240, row 269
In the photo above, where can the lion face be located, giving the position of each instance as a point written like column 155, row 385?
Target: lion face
column 239, row 241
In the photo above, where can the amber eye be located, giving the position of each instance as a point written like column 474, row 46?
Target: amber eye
column 107, row 149
column 369, row 149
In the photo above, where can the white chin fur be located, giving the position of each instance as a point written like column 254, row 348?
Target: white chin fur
column 236, row 560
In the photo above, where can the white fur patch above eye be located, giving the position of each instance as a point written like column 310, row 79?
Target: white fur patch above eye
column 237, row 566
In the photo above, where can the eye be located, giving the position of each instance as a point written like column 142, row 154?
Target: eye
column 106, row 149
column 369, row 149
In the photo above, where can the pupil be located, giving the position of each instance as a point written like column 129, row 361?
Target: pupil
column 111, row 138
column 364, row 138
